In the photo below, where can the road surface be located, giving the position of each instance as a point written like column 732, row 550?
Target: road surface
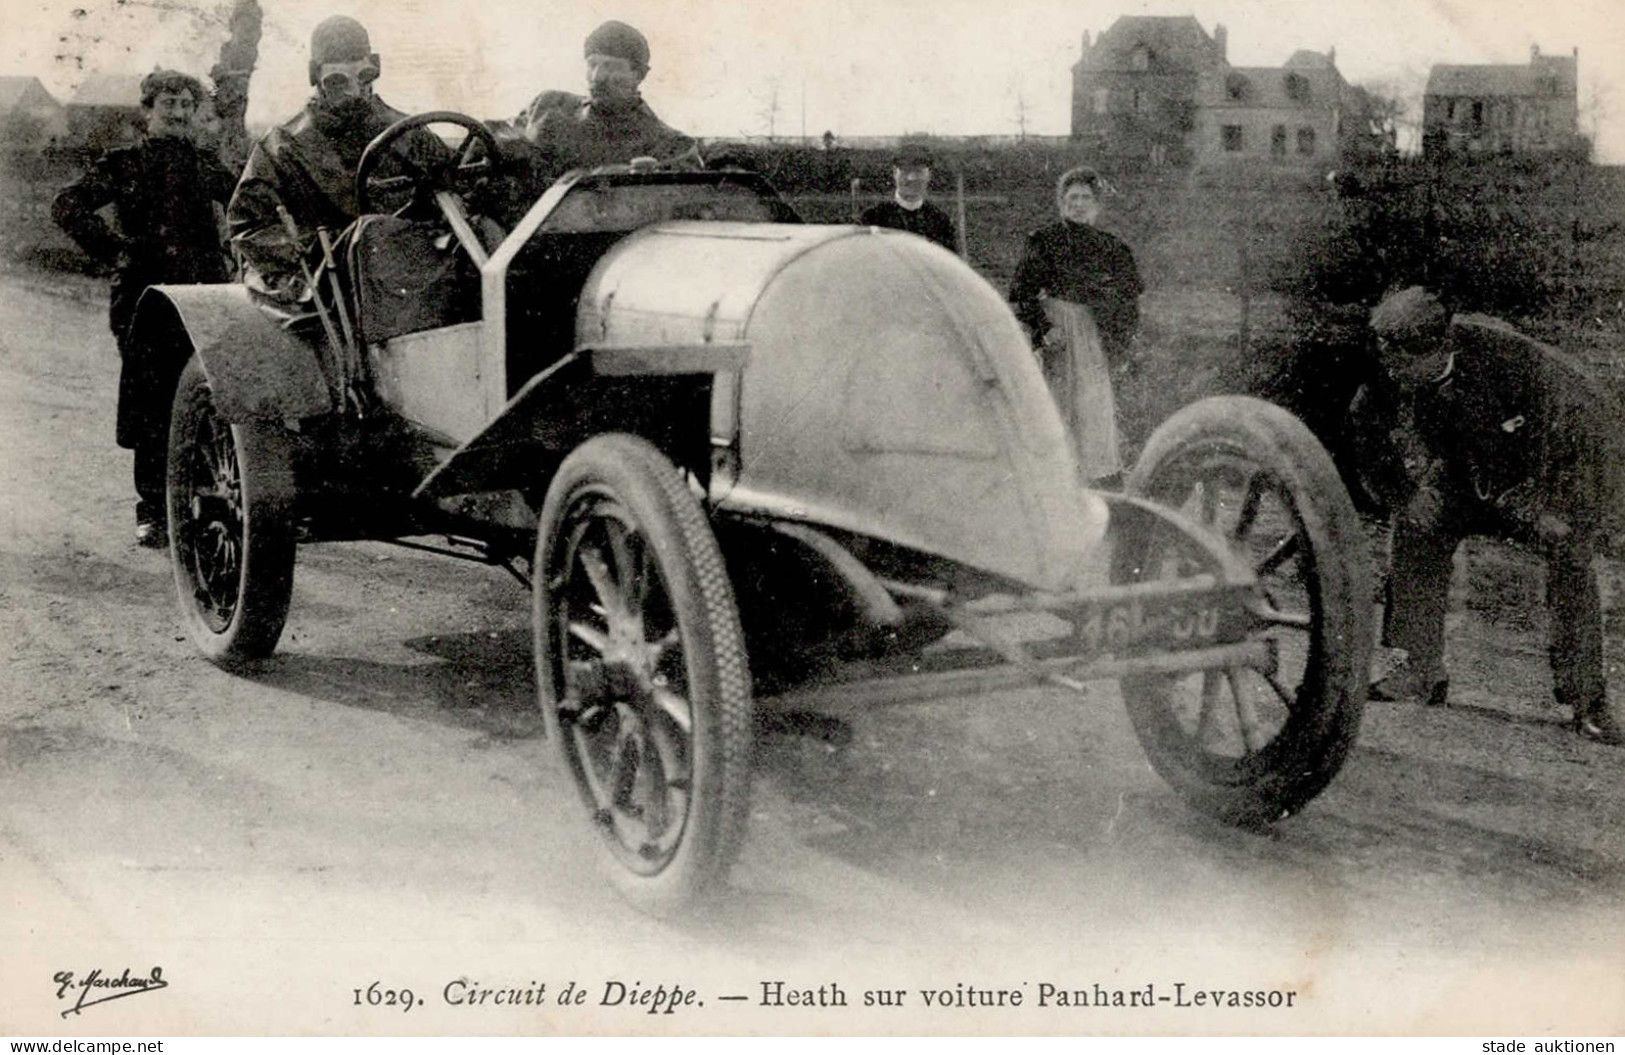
column 378, row 806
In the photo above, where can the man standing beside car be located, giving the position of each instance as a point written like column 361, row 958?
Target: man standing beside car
column 908, row 210
column 306, row 167
column 163, row 192
column 612, row 124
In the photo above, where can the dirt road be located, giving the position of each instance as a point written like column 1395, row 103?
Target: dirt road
column 377, row 806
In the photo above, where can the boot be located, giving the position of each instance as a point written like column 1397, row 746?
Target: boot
column 1597, row 721
column 1412, row 683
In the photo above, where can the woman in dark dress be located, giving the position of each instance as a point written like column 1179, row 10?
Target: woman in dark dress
column 1077, row 292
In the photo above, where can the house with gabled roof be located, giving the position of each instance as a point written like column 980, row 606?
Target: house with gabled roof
column 1135, row 88
column 1161, row 90
column 30, row 116
column 1472, row 111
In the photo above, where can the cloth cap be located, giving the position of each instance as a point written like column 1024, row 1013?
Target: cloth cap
column 339, row 39
column 1407, row 315
column 618, row 40
column 913, row 156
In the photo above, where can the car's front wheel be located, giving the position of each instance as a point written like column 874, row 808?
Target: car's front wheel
column 230, row 497
column 641, row 670
column 1246, row 745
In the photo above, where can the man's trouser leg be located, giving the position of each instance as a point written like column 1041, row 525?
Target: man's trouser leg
column 1575, row 636
column 1418, row 593
column 151, row 458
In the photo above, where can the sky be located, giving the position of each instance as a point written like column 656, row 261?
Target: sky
column 853, row 67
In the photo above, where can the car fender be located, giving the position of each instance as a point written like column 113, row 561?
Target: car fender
column 255, row 368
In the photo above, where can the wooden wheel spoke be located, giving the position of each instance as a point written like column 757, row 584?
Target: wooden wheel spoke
column 1249, row 506
column 1290, row 699
column 626, row 762
column 658, row 650
column 1252, row 737
column 631, row 556
column 1275, row 617
column 1279, row 554
column 591, row 636
column 1208, row 500
column 674, row 707
column 1210, row 704
column 610, row 599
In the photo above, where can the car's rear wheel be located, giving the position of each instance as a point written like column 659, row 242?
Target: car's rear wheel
column 641, row 670
column 1251, row 746
column 230, row 501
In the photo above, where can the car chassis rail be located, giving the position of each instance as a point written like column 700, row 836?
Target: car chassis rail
column 1204, row 621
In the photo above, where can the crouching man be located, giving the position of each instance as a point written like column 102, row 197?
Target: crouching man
column 1502, row 436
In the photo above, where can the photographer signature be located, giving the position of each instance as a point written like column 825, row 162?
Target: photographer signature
column 106, row 987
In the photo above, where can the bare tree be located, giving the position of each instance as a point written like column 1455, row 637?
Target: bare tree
column 769, row 98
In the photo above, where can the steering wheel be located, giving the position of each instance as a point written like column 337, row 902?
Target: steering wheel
column 460, row 167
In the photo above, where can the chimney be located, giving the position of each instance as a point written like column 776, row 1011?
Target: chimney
column 1534, row 52
column 1086, row 42
column 1331, row 55
column 1221, row 38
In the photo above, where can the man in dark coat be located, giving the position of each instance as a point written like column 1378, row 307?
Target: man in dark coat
column 307, row 166
column 908, row 210
column 612, row 124
column 163, row 192
column 1494, row 434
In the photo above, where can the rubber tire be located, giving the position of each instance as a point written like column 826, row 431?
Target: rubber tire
column 1313, row 744
column 633, row 472
column 264, row 453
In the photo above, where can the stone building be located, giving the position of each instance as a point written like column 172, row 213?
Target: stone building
column 1160, row 90
column 1503, row 109
column 30, row 116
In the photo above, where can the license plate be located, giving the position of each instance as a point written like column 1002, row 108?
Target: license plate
column 1155, row 624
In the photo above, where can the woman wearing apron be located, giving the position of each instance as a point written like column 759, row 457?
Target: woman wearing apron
column 1077, row 292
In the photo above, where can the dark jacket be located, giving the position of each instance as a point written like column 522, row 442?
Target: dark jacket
column 1087, row 266
column 927, row 221
column 165, row 227
column 166, row 230
column 308, row 166
column 571, row 131
column 1514, row 425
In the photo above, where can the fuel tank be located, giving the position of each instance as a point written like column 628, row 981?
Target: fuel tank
column 888, row 391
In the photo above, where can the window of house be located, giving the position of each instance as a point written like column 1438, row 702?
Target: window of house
column 1278, row 141
column 1236, row 87
column 1103, row 97
column 1230, row 137
column 1140, row 58
column 1450, row 110
column 1478, row 113
column 1306, row 141
column 1297, row 88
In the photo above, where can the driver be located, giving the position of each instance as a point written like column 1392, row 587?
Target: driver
column 613, row 124
column 308, row 165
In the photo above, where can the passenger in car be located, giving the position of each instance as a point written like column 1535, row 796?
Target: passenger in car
column 612, row 124
column 307, row 166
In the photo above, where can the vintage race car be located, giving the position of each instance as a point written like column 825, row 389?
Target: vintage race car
column 725, row 448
